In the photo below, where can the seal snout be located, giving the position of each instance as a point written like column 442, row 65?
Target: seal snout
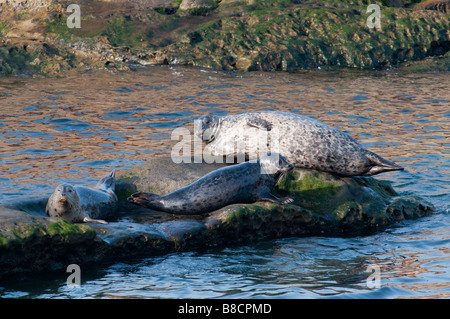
column 65, row 192
column 63, row 199
column 289, row 167
column 284, row 165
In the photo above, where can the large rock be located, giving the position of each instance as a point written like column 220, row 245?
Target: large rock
column 323, row 205
column 198, row 7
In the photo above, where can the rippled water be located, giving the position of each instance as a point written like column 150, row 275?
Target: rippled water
column 75, row 129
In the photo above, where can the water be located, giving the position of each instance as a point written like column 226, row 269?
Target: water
column 75, row 129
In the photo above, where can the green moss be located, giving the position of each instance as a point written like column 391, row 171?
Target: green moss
column 14, row 60
column 58, row 25
column 342, row 210
column 3, row 240
column 23, row 234
column 382, row 188
column 3, row 26
column 311, row 185
column 63, row 229
column 263, row 6
column 119, row 31
column 245, row 211
column 433, row 65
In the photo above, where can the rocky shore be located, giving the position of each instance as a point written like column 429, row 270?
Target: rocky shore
column 242, row 35
column 323, row 205
column 234, row 35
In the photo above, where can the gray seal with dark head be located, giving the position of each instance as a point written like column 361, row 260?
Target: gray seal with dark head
column 247, row 182
column 305, row 142
column 78, row 204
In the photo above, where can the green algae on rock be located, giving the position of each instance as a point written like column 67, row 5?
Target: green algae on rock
column 336, row 204
column 324, row 204
column 36, row 244
column 244, row 35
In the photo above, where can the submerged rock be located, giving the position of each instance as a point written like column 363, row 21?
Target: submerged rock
column 323, row 205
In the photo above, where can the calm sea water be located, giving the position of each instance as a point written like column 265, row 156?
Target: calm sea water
column 75, row 129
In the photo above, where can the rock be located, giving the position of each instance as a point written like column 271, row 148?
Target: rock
column 36, row 244
column 395, row 3
column 323, row 205
column 243, row 63
column 438, row 5
column 198, row 7
column 308, row 35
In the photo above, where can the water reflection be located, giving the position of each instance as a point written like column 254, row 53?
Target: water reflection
column 413, row 261
column 75, row 129
column 120, row 117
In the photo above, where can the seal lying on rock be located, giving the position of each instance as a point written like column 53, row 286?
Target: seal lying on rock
column 83, row 204
column 243, row 183
column 306, row 143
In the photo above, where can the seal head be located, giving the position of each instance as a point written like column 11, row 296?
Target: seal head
column 84, row 204
column 208, row 127
column 275, row 165
column 65, row 203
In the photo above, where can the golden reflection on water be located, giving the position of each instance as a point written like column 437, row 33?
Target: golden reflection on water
column 79, row 125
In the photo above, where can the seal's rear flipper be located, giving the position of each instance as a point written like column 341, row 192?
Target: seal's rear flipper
column 108, row 182
column 148, row 200
column 380, row 165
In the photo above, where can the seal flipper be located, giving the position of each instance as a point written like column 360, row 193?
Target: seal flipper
column 259, row 123
column 98, row 221
column 380, row 165
column 148, row 200
column 108, row 182
column 269, row 197
column 281, row 201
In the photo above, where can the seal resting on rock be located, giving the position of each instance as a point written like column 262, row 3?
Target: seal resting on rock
column 247, row 182
column 83, row 204
column 305, row 142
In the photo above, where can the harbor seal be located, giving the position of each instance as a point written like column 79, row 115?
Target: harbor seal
column 305, row 142
column 84, row 204
column 247, row 182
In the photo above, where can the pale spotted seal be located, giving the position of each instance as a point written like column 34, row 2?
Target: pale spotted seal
column 305, row 142
column 83, row 204
column 247, row 182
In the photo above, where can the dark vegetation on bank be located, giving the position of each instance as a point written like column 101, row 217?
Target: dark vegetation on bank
column 242, row 35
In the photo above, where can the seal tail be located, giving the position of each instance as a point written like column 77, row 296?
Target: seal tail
column 148, row 200
column 380, row 165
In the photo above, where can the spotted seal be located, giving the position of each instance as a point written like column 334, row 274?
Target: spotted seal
column 247, row 182
column 84, row 204
column 305, row 142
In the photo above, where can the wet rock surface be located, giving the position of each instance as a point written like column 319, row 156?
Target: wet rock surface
column 323, row 205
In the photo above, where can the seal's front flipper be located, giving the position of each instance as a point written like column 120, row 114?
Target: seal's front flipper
column 272, row 198
column 285, row 200
column 259, row 123
column 98, row 221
